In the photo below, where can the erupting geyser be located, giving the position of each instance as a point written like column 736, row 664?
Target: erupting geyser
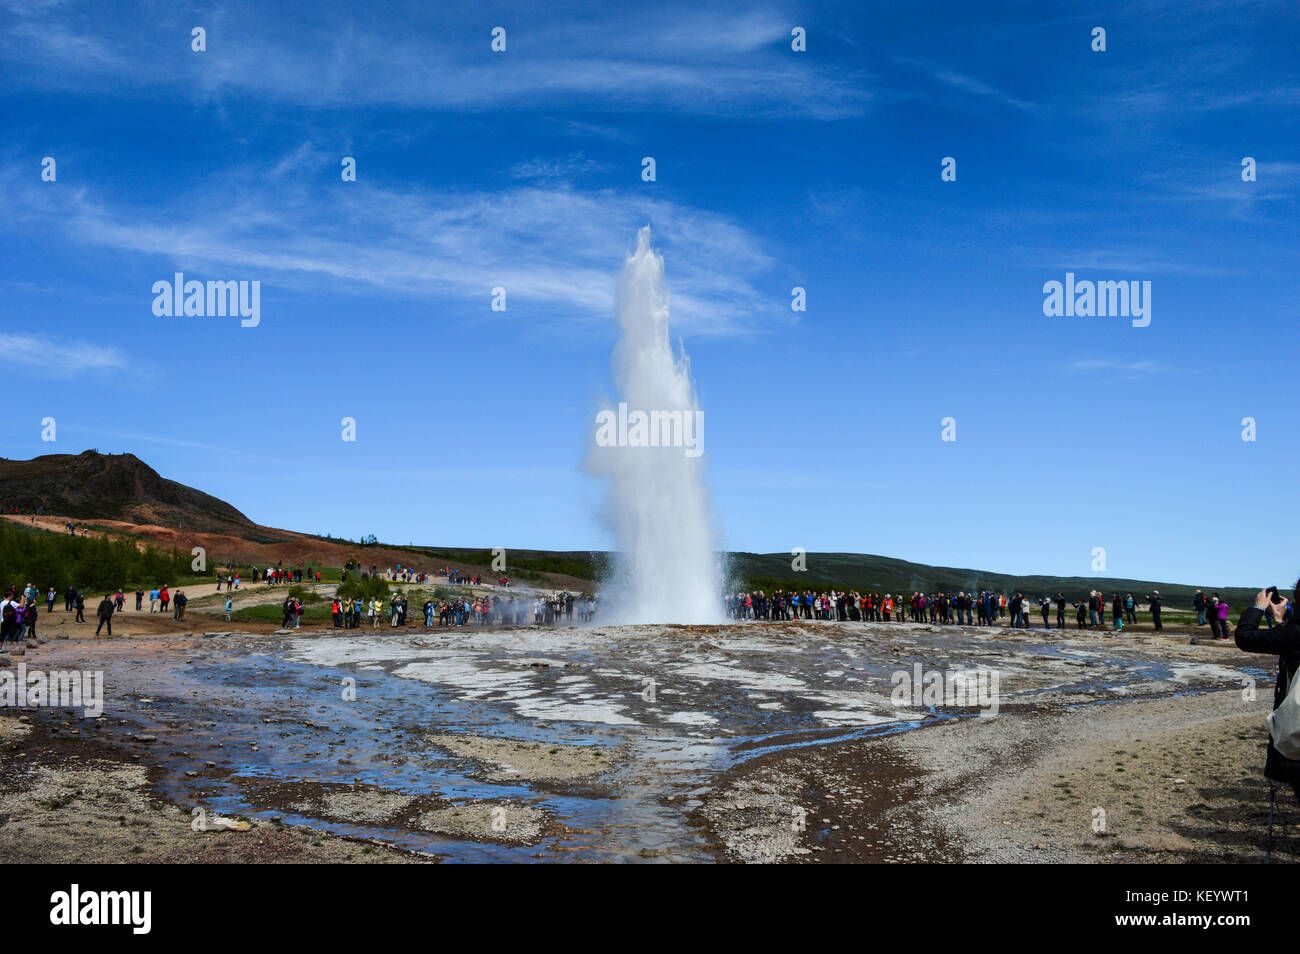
column 649, row 447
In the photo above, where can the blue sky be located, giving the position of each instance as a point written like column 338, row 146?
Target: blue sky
column 774, row 169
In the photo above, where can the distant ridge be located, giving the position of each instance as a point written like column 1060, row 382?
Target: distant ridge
column 120, row 487
column 95, row 486
column 870, row 573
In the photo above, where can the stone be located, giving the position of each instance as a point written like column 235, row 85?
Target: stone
column 218, row 823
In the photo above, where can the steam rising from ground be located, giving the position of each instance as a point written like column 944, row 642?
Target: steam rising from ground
column 667, row 568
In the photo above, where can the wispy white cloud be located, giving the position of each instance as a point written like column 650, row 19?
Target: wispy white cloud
column 806, row 480
column 556, row 250
column 53, row 358
column 1218, row 186
column 1136, row 262
column 682, row 59
column 1120, row 370
column 58, row 43
column 133, row 438
column 562, row 169
column 968, row 84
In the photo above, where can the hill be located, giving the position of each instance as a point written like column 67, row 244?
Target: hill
column 95, row 486
column 871, row 573
column 864, row 572
column 118, row 496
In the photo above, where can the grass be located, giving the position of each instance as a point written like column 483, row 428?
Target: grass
column 527, row 564
column 273, row 613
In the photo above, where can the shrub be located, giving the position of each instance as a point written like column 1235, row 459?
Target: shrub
column 353, row 588
column 93, row 563
column 303, row 595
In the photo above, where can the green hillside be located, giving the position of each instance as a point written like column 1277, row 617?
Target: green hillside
column 860, row 571
column 871, row 573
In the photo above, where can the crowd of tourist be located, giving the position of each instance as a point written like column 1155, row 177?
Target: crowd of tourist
column 1095, row 610
column 281, row 575
column 985, row 608
column 19, row 610
column 488, row 610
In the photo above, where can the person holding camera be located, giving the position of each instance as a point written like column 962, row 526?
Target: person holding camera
column 1283, row 641
column 1154, row 603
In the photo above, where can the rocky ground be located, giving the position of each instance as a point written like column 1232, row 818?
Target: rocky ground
column 1164, row 780
column 744, row 742
column 78, row 799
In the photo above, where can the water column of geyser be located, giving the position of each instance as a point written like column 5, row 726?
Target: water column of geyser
column 666, row 569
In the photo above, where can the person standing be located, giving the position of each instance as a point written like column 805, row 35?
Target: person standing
column 1154, row 602
column 29, row 621
column 1212, row 614
column 49, row 601
column 1283, row 641
column 80, row 603
column 105, row 615
column 139, row 599
column 1199, row 605
column 9, row 618
column 230, row 605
